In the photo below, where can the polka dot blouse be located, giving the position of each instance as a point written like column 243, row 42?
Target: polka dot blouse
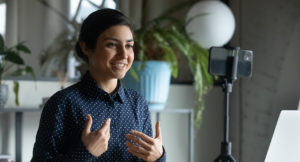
column 63, row 119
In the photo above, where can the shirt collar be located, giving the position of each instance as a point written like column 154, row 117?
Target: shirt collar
column 89, row 85
column 120, row 95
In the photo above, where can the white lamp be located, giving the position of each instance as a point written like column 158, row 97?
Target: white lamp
column 210, row 23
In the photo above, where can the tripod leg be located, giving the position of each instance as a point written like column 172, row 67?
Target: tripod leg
column 231, row 159
column 225, row 158
column 218, row 158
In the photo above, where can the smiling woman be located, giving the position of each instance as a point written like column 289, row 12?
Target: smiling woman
column 113, row 54
column 98, row 119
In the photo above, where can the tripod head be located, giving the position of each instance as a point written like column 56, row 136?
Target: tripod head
column 230, row 62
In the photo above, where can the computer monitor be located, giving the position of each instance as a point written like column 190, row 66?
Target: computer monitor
column 285, row 143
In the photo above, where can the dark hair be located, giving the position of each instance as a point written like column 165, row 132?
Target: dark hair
column 95, row 24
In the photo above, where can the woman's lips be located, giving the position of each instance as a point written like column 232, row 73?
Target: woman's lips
column 119, row 66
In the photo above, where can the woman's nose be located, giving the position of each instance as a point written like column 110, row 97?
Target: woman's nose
column 123, row 53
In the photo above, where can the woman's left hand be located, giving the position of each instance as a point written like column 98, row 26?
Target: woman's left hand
column 143, row 146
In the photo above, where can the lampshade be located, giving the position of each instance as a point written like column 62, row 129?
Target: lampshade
column 210, row 23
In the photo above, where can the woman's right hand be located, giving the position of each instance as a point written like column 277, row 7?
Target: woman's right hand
column 96, row 142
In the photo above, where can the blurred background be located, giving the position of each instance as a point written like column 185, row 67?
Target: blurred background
column 270, row 28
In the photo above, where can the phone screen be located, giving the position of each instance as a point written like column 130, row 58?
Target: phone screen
column 219, row 61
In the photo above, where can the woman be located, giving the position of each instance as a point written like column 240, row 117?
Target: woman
column 97, row 119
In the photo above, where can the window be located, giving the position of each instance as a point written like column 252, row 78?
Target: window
column 88, row 6
column 2, row 18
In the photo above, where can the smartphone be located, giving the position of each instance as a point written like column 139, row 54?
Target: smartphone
column 221, row 61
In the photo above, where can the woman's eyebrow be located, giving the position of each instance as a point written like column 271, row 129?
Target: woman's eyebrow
column 117, row 40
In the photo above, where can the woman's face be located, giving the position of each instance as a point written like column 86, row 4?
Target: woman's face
column 113, row 55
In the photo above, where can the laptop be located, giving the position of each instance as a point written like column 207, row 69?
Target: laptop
column 285, row 143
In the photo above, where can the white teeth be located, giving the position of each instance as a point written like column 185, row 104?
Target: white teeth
column 120, row 65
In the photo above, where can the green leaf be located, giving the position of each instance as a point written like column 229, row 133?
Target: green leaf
column 22, row 47
column 169, row 53
column 24, row 71
column 198, row 114
column 13, row 57
column 140, row 42
column 134, row 74
column 16, row 91
column 30, row 71
column 1, row 43
column 195, row 17
column 3, row 53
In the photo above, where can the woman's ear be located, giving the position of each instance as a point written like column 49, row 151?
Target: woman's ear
column 85, row 49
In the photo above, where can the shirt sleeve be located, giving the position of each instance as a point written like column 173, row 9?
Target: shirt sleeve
column 147, row 129
column 52, row 139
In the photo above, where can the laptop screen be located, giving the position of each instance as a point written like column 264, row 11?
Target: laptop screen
column 285, row 143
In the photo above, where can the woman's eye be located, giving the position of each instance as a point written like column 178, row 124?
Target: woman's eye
column 111, row 45
column 129, row 46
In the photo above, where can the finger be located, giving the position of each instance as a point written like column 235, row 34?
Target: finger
column 88, row 124
column 137, row 154
column 138, row 149
column 106, row 125
column 107, row 132
column 138, row 141
column 157, row 128
column 142, row 136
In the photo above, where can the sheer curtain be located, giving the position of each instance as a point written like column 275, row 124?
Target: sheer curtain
column 31, row 21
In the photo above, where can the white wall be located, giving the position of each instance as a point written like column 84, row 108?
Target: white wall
column 174, row 127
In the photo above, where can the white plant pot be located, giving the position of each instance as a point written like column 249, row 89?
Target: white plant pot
column 3, row 95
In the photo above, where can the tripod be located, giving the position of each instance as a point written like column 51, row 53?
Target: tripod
column 226, row 144
column 227, row 84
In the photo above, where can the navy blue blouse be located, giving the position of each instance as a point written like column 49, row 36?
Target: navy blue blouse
column 63, row 119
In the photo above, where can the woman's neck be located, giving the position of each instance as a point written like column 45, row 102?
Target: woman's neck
column 108, row 85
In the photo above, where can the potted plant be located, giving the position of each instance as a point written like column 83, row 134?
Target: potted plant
column 12, row 64
column 164, row 39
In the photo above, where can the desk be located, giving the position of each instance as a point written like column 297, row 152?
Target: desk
column 19, row 121
column 18, row 127
column 190, row 112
